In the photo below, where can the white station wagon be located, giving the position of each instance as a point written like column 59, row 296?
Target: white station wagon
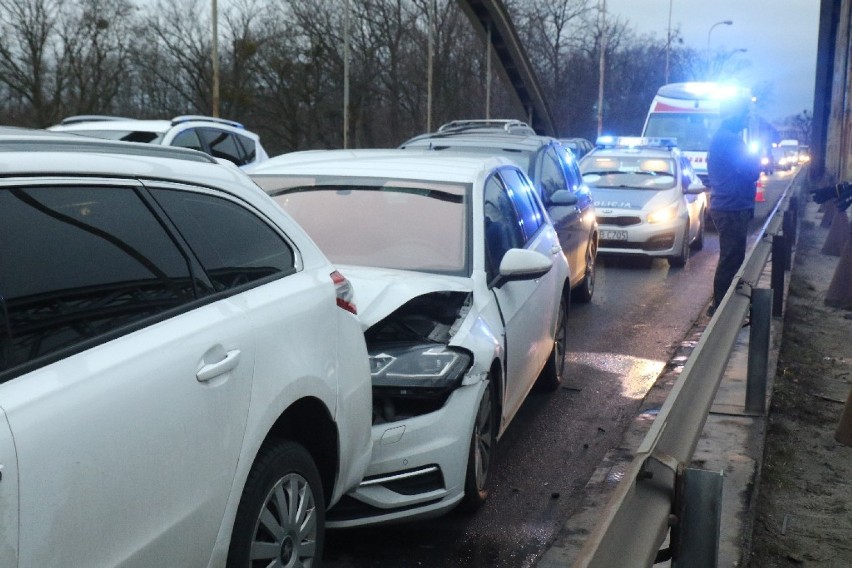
column 183, row 381
column 463, row 291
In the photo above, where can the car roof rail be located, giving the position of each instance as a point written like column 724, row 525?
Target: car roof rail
column 36, row 142
column 76, row 119
column 202, row 118
column 510, row 126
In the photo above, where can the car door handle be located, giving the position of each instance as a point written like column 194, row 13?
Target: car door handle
column 214, row 370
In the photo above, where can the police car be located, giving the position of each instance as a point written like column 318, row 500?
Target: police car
column 649, row 200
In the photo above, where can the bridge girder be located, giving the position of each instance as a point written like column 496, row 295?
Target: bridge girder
column 513, row 64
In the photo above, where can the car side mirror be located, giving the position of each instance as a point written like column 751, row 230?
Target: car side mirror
column 695, row 188
column 522, row 264
column 563, row 198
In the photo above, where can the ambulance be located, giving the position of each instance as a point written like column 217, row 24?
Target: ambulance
column 690, row 112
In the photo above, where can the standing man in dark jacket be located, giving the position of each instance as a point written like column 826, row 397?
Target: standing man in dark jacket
column 733, row 172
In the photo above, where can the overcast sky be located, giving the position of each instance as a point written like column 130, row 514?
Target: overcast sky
column 780, row 36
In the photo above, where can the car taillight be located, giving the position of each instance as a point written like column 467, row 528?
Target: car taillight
column 343, row 290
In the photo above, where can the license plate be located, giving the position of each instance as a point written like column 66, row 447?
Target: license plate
column 614, row 235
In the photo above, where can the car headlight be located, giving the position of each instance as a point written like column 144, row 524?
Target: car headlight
column 429, row 366
column 764, row 161
column 665, row 214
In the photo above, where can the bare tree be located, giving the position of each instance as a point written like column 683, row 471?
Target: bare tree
column 30, row 57
column 174, row 58
column 96, row 39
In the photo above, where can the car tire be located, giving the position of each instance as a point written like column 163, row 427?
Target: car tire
column 483, row 442
column 680, row 260
column 584, row 292
column 553, row 373
column 698, row 243
column 282, row 510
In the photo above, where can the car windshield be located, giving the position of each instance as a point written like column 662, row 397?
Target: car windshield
column 629, row 172
column 380, row 222
column 693, row 130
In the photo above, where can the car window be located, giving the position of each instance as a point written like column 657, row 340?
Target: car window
column 222, row 145
column 247, row 146
column 522, row 195
column 77, row 263
column 502, row 225
column 188, row 139
column 234, row 246
column 572, row 171
column 551, row 175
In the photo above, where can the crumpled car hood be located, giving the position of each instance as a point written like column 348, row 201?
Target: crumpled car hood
column 379, row 291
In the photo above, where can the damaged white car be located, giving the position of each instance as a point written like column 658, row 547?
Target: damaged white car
column 463, row 291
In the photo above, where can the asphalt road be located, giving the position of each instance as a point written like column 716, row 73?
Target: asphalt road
column 619, row 344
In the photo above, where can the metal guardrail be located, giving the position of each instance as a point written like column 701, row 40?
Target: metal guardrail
column 636, row 521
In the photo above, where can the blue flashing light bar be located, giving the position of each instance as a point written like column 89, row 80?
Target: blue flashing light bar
column 635, row 142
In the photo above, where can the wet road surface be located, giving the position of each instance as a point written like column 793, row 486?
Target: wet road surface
column 619, row 345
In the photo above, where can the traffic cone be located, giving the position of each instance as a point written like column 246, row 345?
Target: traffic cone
column 838, row 234
column 760, row 195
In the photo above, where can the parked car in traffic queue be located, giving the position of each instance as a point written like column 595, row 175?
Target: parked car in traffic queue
column 649, row 200
column 463, row 292
column 219, row 137
column 183, row 379
column 555, row 176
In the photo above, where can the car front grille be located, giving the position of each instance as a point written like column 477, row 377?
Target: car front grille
column 619, row 221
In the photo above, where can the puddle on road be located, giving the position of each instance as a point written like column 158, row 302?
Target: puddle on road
column 635, row 373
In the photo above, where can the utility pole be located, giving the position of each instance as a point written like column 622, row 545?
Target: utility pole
column 601, row 67
column 214, row 55
column 431, row 9
column 488, row 75
column 346, row 78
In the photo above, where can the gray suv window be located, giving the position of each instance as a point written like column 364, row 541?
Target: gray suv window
column 77, row 263
column 552, row 175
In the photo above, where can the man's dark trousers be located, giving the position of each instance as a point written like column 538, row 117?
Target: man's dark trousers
column 732, row 227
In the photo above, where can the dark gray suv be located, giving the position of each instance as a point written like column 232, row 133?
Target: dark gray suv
column 555, row 174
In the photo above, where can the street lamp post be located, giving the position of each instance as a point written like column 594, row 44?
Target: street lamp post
column 601, row 66
column 710, row 59
column 723, row 22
